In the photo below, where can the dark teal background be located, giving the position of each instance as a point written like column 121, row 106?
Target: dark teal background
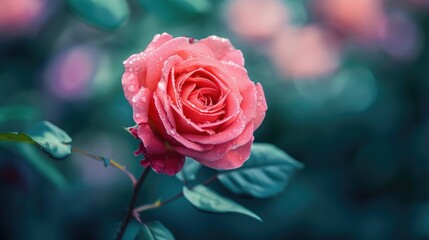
column 365, row 144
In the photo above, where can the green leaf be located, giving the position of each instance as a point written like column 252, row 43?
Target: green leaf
column 207, row 200
column 266, row 173
column 42, row 165
column 16, row 137
column 105, row 14
column 51, row 139
column 189, row 171
column 154, row 231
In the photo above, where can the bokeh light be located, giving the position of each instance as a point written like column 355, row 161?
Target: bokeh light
column 304, row 52
column 17, row 16
column 70, row 73
column 256, row 19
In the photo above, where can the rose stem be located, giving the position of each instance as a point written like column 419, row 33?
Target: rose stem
column 132, row 203
column 158, row 204
column 111, row 162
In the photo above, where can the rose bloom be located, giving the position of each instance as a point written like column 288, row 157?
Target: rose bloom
column 192, row 98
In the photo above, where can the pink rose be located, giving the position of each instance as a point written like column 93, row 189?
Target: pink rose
column 192, row 98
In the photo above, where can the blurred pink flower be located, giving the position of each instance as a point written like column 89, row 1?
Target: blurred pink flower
column 360, row 19
column 306, row 52
column 19, row 15
column 69, row 73
column 256, row 19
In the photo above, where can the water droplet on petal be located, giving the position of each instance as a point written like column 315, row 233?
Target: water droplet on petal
column 131, row 88
column 161, row 86
column 172, row 132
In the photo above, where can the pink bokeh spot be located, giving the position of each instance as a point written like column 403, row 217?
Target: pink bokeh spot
column 70, row 73
column 19, row 15
column 305, row 52
column 363, row 20
column 256, row 19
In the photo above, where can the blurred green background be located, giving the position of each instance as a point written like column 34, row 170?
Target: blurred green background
column 346, row 83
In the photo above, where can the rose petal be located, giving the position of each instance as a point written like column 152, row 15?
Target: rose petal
column 234, row 158
column 135, row 67
column 186, row 125
column 140, row 104
column 156, row 58
column 248, row 105
column 130, row 84
column 157, row 41
column 218, row 151
column 168, row 132
column 165, row 84
column 151, row 142
column 246, row 88
column 196, row 50
column 223, row 49
column 168, row 163
column 261, row 106
column 231, row 131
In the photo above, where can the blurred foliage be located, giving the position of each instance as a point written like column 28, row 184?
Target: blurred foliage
column 109, row 15
column 361, row 129
column 154, row 231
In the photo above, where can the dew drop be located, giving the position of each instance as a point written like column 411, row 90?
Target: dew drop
column 137, row 115
column 161, row 86
column 131, row 88
column 172, row 132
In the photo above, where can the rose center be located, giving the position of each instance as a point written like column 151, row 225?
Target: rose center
column 205, row 96
column 201, row 96
column 201, row 90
